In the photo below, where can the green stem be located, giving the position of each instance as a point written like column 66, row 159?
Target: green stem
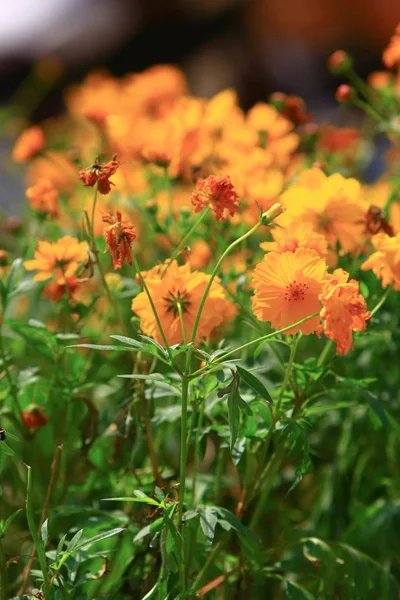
column 252, row 342
column 183, row 457
column 153, row 308
column 215, row 271
column 36, row 539
column 260, row 478
column 325, row 353
column 3, row 573
column 196, row 458
column 210, row 560
column 381, row 301
column 13, row 389
column 182, row 482
column 185, row 238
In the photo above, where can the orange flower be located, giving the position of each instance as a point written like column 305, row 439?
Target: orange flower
column 33, row 417
column 296, row 235
column 219, row 193
column 391, row 54
column 344, row 310
column 119, row 237
column 59, row 260
column 72, row 287
column 199, row 254
column 100, row 173
column 333, row 205
column 30, row 142
column 43, row 197
column 287, row 288
column 177, row 294
column 385, row 263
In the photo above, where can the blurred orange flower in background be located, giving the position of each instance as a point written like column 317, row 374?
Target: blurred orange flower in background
column 385, row 262
column 219, row 194
column 43, row 197
column 30, row 142
column 59, row 260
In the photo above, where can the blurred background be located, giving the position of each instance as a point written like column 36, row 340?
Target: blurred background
column 256, row 46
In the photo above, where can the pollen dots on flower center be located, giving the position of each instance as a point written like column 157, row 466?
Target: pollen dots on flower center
column 296, row 291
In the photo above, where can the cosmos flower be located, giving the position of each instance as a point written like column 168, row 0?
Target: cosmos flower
column 344, row 310
column 385, row 262
column 177, row 293
column 287, row 287
column 57, row 260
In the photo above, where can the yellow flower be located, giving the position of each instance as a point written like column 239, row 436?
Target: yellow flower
column 59, row 260
column 177, row 294
column 385, row 263
column 296, row 235
column 287, row 288
column 332, row 205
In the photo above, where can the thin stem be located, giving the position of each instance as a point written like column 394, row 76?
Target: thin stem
column 36, row 538
column 215, row 271
column 180, row 313
column 153, row 308
column 183, row 457
column 13, row 389
column 286, row 378
column 210, row 560
column 325, row 352
column 186, row 237
column 54, row 469
column 196, row 458
column 256, row 341
column 3, row 573
column 381, row 301
column 153, row 456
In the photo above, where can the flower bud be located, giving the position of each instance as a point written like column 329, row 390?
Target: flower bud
column 271, row 214
column 340, row 62
column 344, row 94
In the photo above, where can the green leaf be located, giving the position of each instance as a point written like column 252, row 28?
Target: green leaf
column 99, row 537
column 375, row 405
column 294, row 591
column 143, row 500
column 254, row 383
column 4, row 525
column 75, row 541
column 236, row 404
column 234, row 522
column 208, row 521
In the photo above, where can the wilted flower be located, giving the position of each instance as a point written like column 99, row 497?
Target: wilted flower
column 344, row 310
column 219, row 194
column 100, row 173
column 119, row 237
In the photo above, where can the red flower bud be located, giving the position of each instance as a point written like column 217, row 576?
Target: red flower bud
column 344, row 94
column 339, row 62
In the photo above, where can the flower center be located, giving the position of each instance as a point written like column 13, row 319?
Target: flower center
column 177, row 301
column 296, row 291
